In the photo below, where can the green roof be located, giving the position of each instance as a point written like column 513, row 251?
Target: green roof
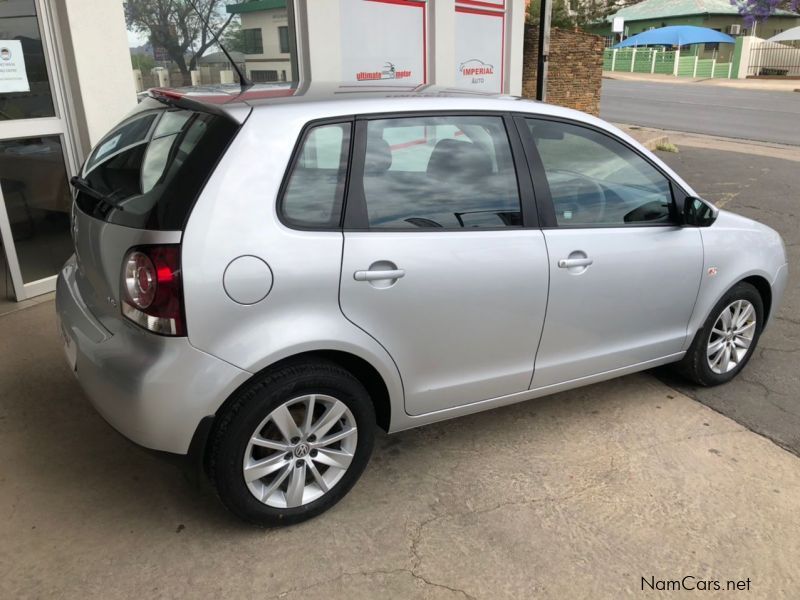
column 254, row 5
column 662, row 9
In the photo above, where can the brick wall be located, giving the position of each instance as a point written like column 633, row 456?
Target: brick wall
column 575, row 70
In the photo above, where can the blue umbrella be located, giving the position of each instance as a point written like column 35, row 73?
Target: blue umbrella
column 677, row 35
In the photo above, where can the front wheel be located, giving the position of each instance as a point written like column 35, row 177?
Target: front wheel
column 292, row 444
column 725, row 343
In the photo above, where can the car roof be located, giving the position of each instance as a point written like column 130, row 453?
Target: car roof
column 331, row 99
column 271, row 94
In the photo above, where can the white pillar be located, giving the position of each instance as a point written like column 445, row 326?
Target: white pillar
column 748, row 42
column 694, row 71
column 653, row 64
column 713, row 67
column 677, row 65
column 614, row 58
column 98, row 63
column 633, row 59
column 138, row 81
column 162, row 77
column 226, row 76
column 730, row 69
column 195, row 77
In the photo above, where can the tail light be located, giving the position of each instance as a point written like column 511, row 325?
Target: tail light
column 152, row 294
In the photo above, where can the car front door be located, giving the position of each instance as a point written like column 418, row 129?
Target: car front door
column 438, row 265
column 624, row 274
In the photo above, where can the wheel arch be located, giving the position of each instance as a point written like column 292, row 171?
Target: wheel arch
column 764, row 289
column 359, row 367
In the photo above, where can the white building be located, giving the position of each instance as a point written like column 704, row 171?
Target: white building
column 66, row 79
column 475, row 44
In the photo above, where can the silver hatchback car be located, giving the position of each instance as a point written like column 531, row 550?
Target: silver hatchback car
column 260, row 278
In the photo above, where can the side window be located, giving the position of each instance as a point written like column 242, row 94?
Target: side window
column 313, row 196
column 596, row 180
column 440, row 172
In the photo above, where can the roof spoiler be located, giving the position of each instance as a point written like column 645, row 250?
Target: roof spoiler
column 178, row 100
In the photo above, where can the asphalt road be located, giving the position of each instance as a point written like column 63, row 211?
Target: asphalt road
column 765, row 397
column 759, row 115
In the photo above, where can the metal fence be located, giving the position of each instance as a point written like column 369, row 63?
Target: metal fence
column 649, row 60
column 772, row 59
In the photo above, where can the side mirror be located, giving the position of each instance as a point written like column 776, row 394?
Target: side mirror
column 698, row 212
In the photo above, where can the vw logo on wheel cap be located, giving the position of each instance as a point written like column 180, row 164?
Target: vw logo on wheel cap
column 301, row 451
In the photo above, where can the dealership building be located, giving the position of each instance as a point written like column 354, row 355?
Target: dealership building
column 65, row 79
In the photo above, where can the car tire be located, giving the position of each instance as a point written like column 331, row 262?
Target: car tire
column 255, row 435
column 703, row 363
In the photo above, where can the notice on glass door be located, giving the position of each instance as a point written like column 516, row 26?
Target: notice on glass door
column 13, row 76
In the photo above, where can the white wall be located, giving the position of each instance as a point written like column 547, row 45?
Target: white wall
column 98, row 64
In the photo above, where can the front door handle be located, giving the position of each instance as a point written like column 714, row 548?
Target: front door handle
column 378, row 275
column 568, row 263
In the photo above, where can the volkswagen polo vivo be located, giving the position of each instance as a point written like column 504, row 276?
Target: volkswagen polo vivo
column 261, row 277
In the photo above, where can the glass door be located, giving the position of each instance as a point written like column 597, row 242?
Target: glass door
column 36, row 153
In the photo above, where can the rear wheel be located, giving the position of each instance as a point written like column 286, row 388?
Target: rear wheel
column 292, row 444
column 725, row 343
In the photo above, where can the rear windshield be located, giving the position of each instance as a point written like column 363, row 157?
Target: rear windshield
column 152, row 167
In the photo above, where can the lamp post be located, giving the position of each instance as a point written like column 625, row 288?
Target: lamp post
column 545, row 14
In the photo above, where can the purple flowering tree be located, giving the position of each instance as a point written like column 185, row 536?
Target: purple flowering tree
column 761, row 10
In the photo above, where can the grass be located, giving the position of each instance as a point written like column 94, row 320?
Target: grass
column 667, row 147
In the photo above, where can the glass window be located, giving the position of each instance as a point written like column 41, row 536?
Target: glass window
column 596, row 180
column 148, row 172
column 313, row 197
column 440, row 172
column 283, row 36
column 33, row 178
column 263, row 76
column 266, row 36
column 253, row 43
column 26, row 92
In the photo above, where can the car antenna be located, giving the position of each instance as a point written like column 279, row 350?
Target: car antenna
column 244, row 82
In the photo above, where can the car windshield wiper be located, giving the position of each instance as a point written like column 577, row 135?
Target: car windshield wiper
column 80, row 184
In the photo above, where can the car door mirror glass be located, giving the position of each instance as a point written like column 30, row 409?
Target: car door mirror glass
column 699, row 212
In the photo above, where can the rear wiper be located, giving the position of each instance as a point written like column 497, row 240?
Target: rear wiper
column 80, row 184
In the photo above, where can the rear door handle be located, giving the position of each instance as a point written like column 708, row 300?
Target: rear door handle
column 567, row 263
column 378, row 275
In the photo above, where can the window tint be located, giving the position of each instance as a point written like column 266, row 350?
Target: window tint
column 596, row 180
column 152, row 167
column 313, row 196
column 440, row 172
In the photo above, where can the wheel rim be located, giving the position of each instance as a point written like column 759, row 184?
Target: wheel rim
column 300, row 451
column 731, row 337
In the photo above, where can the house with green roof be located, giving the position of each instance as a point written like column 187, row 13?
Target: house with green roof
column 714, row 14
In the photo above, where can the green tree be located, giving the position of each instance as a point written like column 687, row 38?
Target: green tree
column 143, row 62
column 234, row 37
column 175, row 26
column 560, row 17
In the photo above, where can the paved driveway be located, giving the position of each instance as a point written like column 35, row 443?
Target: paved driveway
column 582, row 494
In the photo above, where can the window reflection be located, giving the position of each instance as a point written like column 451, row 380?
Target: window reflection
column 19, row 24
column 440, row 172
column 33, row 179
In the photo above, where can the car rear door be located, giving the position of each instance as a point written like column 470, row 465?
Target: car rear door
column 624, row 274
column 440, row 264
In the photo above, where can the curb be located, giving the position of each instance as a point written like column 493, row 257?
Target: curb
column 653, row 143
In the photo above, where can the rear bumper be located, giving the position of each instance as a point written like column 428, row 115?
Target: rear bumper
column 154, row 390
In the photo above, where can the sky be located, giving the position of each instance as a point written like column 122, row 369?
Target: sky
column 136, row 39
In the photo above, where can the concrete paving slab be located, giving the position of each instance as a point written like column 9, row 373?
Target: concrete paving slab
column 577, row 495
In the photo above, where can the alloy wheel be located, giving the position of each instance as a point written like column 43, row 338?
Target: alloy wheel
column 300, row 451
column 731, row 337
